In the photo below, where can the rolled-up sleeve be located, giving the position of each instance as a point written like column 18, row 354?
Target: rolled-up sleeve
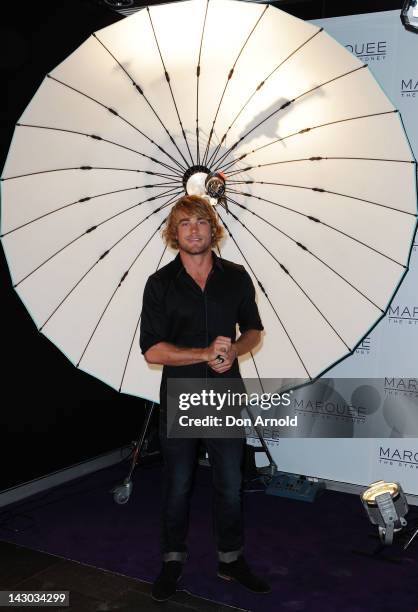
column 154, row 323
column 248, row 315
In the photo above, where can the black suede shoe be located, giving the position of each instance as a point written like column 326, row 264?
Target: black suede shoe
column 165, row 584
column 240, row 572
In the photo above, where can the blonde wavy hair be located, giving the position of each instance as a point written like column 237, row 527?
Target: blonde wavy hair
column 191, row 205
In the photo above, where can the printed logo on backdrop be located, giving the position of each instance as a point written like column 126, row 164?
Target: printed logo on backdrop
column 327, row 404
column 365, row 346
column 409, row 88
column 400, row 458
column 401, row 387
column 400, row 407
column 369, row 51
column 403, row 314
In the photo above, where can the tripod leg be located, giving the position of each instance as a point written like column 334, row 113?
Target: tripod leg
column 140, row 443
column 411, row 538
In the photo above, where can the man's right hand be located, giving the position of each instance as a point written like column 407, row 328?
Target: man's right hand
column 219, row 346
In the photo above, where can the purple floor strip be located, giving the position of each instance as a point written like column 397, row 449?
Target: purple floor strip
column 305, row 550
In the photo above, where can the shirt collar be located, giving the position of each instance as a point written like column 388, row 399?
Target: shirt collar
column 178, row 264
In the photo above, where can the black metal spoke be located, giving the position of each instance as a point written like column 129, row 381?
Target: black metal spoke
column 151, row 107
column 316, row 159
column 305, row 130
column 289, row 274
column 18, row 176
column 319, row 158
column 285, row 105
column 82, row 201
column 167, row 78
column 230, row 74
column 257, row 372
column 318, row 190
column 316, row 220
column 259, row 86
column 139, row 320
column 103, row 256
column 99, row 138
column 264, row 292
column 92, row 229
column 197, row 86
column 307, row 250
column 205, row 139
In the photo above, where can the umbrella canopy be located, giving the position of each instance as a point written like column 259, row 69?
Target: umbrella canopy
column 319, row 180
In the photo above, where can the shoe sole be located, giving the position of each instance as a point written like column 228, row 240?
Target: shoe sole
column 170, row 596
column 162, row 600
column 231, row 579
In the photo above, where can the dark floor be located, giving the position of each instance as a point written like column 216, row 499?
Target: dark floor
column 108, row 554
column 23, row 569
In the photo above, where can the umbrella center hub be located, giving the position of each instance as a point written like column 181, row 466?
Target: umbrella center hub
column 200, row 181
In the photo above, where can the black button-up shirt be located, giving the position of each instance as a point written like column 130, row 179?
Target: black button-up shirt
column 176, row 310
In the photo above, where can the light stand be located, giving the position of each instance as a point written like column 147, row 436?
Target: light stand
column 122, row 493
column 386, row 507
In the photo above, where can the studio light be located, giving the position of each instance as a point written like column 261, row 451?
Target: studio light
column 409, row 15
column 386, row 506
column 119, row 4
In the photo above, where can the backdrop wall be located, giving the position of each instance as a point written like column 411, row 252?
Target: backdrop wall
column 390, row 352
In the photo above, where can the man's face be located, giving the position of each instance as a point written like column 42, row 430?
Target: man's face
column 194, row 234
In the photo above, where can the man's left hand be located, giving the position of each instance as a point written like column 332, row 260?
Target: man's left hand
column 223, row 366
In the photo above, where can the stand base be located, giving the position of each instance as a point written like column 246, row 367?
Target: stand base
column 394, row 553
column 294, row 487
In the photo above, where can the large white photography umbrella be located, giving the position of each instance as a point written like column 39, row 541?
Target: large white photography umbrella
column 320, row 184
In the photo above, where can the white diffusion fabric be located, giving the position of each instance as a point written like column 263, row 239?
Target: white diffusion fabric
column 320, row 184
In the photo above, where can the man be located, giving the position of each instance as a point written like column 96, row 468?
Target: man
column 188, row 324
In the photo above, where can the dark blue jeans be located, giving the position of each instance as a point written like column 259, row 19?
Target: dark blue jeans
column 180, row 460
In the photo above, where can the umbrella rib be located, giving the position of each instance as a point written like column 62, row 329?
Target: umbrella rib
column 115, row 113
column 91, row 229
column 316, row 220
column 319, row 158
column 257, row 372
column 99, row 138
column 307, row 250
column 231, row 72
column 100, row 258
column 81, row 200
column 286, row 271
column 197, row 85
column 320, row 190
column 227, row 165
column 167, row 78
column 141, row 92
column 285, row 105
column 260, row 85
column 17, row 176
column 137, row 324
column 264, row 292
